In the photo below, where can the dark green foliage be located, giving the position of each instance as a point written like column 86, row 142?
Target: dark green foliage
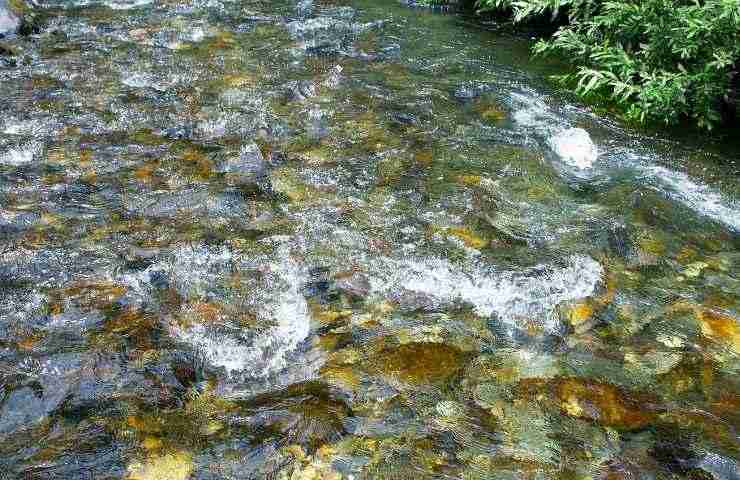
column 661, row 60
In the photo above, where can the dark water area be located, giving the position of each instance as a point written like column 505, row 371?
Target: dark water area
column 349, row 240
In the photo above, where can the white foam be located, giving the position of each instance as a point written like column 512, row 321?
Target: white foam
column 142, row 80
column 21, row 155
column 698, row 197
column 195, row 269
column 268, row 353
column 574, row 147
column 126, row 4
column 533, row 293
column 9, row 22
column 531, row 111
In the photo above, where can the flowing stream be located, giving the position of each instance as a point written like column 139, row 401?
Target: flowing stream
column 324, row 239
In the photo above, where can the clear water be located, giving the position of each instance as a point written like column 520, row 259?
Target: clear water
column 349, row 240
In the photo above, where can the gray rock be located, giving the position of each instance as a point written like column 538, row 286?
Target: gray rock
column 356, row 285
column 412, row 301
column 317, row 126
column 340, row 13
column 471, row 90
column 110, row 378
column 329, row 35
column 43, row 386
column 165, row 204
column 9, row 20
column 322, row 35
column 249, row 168
column 300, row 90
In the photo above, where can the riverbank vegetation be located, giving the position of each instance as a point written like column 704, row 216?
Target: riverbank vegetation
column 658, row 61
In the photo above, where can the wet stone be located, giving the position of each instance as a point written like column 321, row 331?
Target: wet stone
column 308, row 414
column 355, row 285
column 111, row 378
column 300, row 90
column 418, row 362
column 248, row 168
column 321, row 35
column 603, row 403
column 470, row 91
column 42, row 386
column 262, row 239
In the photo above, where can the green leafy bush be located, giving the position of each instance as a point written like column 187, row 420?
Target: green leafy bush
column 661, row 60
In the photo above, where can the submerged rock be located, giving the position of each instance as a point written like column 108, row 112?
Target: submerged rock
column 300, row 90
column 603, row 403
column 321, row 35
column 44, row 386
column 308, row 414
column 574, row 147
column 355, row 285
column 469, row 91
column 424, row 362
column 172, row 466
column 249, row 168
column 328, row 35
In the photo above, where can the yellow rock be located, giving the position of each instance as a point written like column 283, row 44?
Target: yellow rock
column 424, row 157
column 720, row 327
column 85, row 157
column 328, row 317
column 285, row 181
column 239, row 80
column 211, row 427
column 418, row 362
column 489, row 111
column 151, row 443
column 194, row 160
column 317, row 156
column 580, row 315
column 469, row 238
column 56, row 155
column 601, row 402
column 686, row 254
column 95, row 295
column 142, row 424
column 28, row 342
column 470, row 180
column 651, row 244
column 145, row 172
column 223, row 40
column 172, row 466
column 344, row 376
column 694, row 269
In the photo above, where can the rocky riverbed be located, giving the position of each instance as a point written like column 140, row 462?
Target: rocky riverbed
column 346, row 239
